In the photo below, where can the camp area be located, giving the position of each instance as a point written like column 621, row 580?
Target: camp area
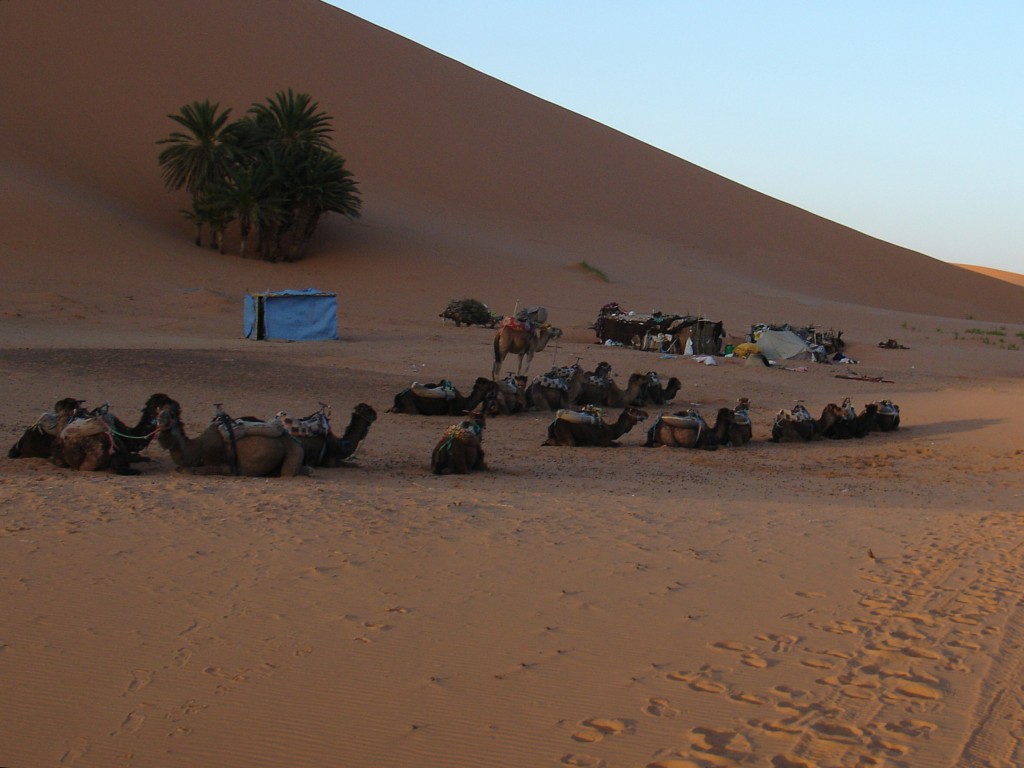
column 786, row 342
column 658, row 332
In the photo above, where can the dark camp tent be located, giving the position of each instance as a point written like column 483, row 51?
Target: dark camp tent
column 292, row 315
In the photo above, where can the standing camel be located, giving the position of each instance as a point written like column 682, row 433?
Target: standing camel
column 510, row 340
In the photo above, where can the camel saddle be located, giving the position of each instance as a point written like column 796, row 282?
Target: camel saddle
column 465, row 431
column 589, row 415
column 443, row 391
column 741, row 416
column 236, row 429
column 47, row 422
column 689, row 419
column 888, row 408
column 85, row 426
column 309, row 426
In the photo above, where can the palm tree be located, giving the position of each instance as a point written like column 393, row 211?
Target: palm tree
column 291, row 120
column 323, row 185
column 199, row 155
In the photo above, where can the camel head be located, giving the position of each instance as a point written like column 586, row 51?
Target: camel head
column 168, row 417
column 636, row 415
column 365, row 412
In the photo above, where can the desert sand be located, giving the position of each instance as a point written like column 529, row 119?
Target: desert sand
column 835, row 603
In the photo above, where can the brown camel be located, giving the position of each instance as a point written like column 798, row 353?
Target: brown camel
column 688, row 429
column 328, row 450
column 441, row 399
column 573, row 428
column 36, row 442
column 525, row 342
column 250, row 455
column 888, row 416
column 655, row 394
column 797, row 425
column 509, row 396
column 606, row 393
column 741, row 430
column 556, row 389
column 459, row 451
column 100, row 442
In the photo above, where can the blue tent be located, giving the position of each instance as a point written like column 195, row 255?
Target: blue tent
column 306, row 315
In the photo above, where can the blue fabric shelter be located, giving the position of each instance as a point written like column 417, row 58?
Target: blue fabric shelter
column 293, row 315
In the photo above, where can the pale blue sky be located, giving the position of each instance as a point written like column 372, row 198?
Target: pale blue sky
column 904, row 120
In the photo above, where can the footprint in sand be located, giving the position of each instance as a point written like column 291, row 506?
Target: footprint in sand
column 818, row 663
column 916, row 690
column 788, row 761
column 140, row 679
column 132, row 722
column 721, row 742
column 599, row 727
column 755, row 661
column 915, row 728
column 727, row 645
column 583, row 761
column 659, row 707
column 780, row 643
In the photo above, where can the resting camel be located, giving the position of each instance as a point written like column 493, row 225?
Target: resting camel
column 575, row 428
column 525, row 342
column 655, row 394
column 606, row 393
column 556, row 389
column 459, row 451
column 797, row 425
column 888, row 416
column 688, row 429
column 100, row 442
column 741, row 430
column 324, row 448
column 36, row 442
column 441, row 399
column 509, row 396
column 250, row 455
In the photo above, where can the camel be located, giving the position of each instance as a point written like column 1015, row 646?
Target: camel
column 604, row 392
column 655, row 394
column 250, row 455
column 459, row 451
column 36, row 442
column 798, row 425
column 741, row 430
column 522, row 341
column 441, row 399
column 573, row 428
column 509, row 396
column 326, row 449
column 100, row 442
column 888, row 416
column 688, row 429
column 558, row 388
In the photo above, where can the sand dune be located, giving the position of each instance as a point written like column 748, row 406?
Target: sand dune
column 796, row 605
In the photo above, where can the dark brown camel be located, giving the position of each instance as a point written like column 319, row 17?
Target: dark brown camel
column 37, row 441
column 888, row 416
column 509, row 396
column 556, row 389
column 569, row 429
column 655, row 394
column 688, row 429
column 459, row 451
column 741, row 430
column 251, row 455
column 797, row 425
column 605, row 393
column 441, row 399
column 525, row 342
column 328, row 450
column 105, row 442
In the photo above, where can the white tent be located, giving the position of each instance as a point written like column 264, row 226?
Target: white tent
column 783, row 345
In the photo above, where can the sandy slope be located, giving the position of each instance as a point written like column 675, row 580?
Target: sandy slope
column 836, row 603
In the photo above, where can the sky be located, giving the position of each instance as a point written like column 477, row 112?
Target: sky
column 903, row 120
